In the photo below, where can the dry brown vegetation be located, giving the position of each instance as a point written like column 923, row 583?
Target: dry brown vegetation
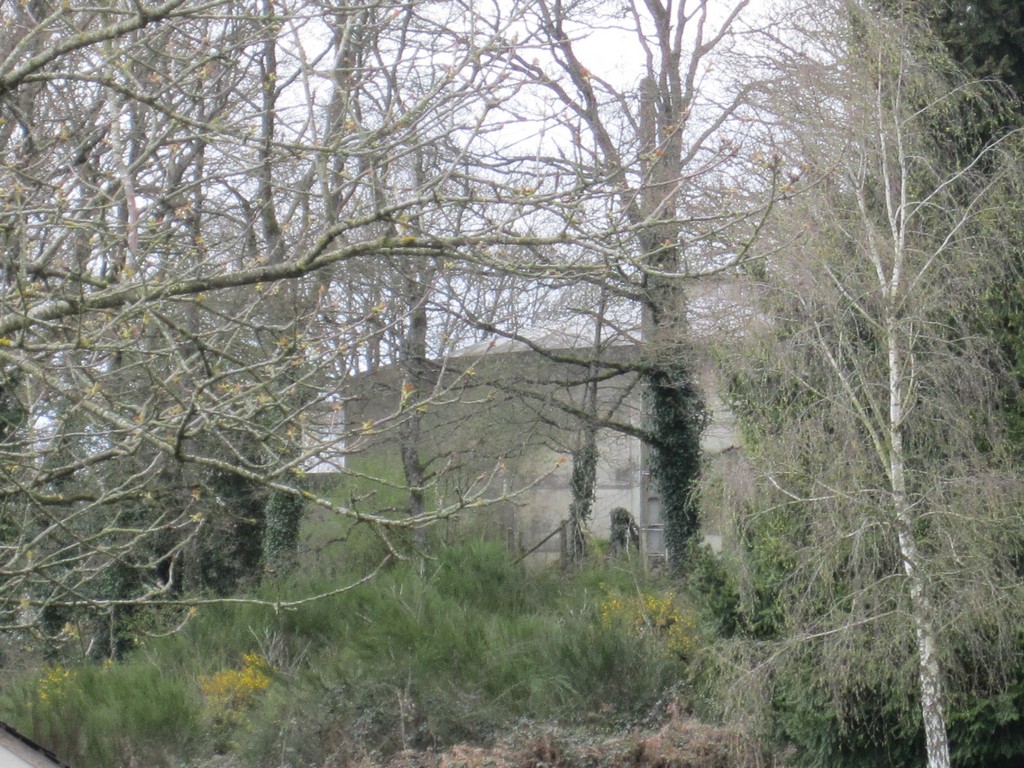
column 681, row 742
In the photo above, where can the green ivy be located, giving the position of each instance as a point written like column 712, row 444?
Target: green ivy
column 281, row 535
column 583, row 485
column 678, row 417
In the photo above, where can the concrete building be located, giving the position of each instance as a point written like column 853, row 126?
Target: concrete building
column 508, row 410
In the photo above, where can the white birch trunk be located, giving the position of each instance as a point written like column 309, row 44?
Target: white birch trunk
column 929, row 669
column 895, row 174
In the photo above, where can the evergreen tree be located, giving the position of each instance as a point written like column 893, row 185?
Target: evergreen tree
column 986, row 37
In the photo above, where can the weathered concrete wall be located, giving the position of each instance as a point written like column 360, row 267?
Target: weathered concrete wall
column 514, row 418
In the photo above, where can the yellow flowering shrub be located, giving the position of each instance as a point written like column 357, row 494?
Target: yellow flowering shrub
column 653, row 615
column 54, row 684
column 231, row 690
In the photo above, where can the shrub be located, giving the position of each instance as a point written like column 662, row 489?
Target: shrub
column 230, row 691
column 653, row 615
column 229, row 694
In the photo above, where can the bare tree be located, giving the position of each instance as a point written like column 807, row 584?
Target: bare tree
column 660, row 178
column 191, row 189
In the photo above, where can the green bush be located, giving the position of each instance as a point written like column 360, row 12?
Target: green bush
column 843, row 726
column 482, row 576
column 988, row 731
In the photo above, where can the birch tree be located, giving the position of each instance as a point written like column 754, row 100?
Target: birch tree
column 879, row 437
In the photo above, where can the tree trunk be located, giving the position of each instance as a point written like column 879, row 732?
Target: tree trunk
column 583, row 486
column 281, row 532
column 414, row 386
column 676, row 412
column 929, row 669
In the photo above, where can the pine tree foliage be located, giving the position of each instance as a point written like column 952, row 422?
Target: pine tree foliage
column 986, row 37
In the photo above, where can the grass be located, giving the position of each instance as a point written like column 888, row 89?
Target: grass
column 429, row 653
column 107, row 715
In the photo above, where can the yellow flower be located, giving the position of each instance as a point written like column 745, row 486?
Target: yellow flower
column 656, row 616
column 54, row 683
column 231, row 690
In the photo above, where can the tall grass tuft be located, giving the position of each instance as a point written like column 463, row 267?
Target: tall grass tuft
column 107, row 715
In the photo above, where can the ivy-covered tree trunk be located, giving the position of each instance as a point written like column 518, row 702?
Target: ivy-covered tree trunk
column 583, row 486
column 677, row 419
column 676, row 412
column 281, row 532
column 415, row 389
column 228, row 551
column 584, row 458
